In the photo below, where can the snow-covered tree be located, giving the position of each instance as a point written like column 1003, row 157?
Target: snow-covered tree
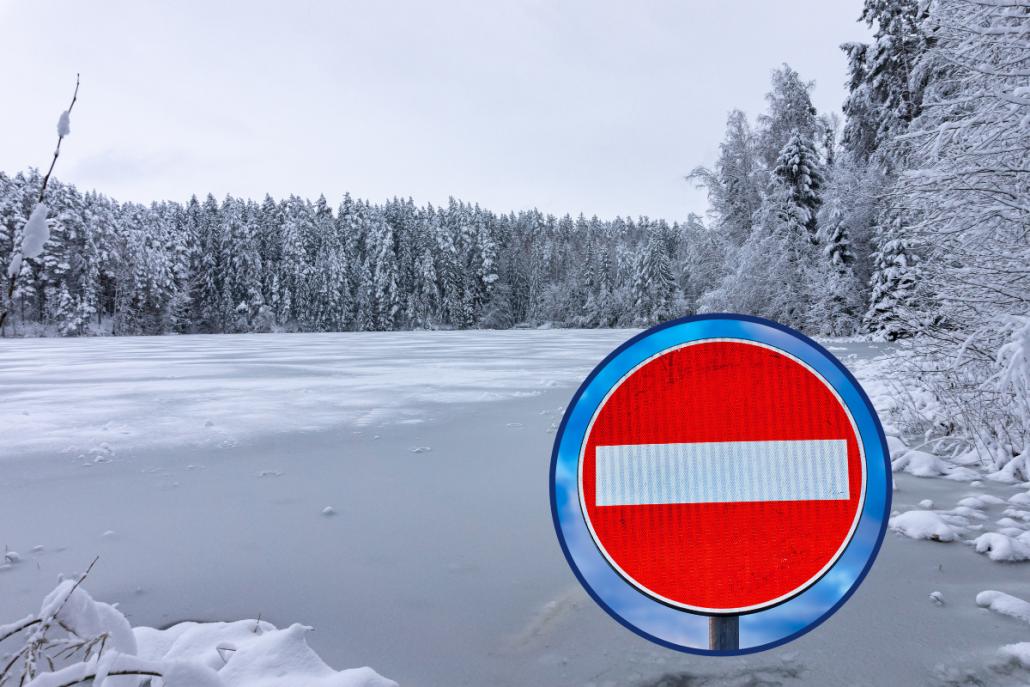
column 735, row 185
column 790, row 110
column 800, row 178
column 654, row 287
column 894, row 310
column 964, row 188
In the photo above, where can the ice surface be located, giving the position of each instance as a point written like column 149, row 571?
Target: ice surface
column 441, row 568
column 193, row 391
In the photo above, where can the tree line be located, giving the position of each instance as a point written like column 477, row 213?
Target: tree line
column 237, row 265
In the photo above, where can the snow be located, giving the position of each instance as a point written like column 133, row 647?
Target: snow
column 1001, row 547
column 35, row 233
column 1022, row 499
column 130, row 393
column 15, row 267
column 1018, row 653
column 1015, row 471
column 442, row 568
column 1003, row 603
column 921, row 524
column 895, row 446
column 922, row 464
column 64, row 126
column 247, row 653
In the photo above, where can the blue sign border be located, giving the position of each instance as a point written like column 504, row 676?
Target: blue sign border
column 676, row 628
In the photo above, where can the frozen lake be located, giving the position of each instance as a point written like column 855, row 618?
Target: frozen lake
column 198, row 469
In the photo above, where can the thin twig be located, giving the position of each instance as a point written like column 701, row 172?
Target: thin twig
column 12, row 279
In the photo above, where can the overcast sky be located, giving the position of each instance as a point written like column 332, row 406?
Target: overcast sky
column 599, row 107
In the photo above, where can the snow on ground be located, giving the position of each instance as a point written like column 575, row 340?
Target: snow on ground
column 359, row 484
column 74, row 638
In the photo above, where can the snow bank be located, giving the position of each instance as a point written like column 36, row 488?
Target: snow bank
column 1003, row 603
column 922, row 524
column 247, row 653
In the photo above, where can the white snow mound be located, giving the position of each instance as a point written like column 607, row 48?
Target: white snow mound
column 1005, row 604
column 1017, row 653
column 922, row 464
column 1001, row 547
column 922, row 524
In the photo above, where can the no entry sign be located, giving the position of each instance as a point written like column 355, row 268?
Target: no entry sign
column 718, row 466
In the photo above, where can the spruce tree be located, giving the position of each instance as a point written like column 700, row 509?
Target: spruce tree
column 893, row 285
column 800, row 177
column 654, row 287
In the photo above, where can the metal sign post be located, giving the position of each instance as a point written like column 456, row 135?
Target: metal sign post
column 724, row 633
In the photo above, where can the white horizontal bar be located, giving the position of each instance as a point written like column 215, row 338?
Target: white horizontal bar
column 722, row 472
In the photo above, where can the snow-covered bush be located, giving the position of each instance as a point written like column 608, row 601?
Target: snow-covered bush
column 74, row 639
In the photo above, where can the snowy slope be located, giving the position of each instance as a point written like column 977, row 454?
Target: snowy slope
column 199, row 468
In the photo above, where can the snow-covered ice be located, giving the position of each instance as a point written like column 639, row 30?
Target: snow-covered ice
column 441, row 568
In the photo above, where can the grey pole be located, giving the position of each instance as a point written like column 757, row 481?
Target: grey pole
column 724, row 632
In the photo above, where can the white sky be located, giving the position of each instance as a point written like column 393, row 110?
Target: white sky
column 591, row 106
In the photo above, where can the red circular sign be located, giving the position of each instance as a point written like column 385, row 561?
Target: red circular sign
column 722, row 476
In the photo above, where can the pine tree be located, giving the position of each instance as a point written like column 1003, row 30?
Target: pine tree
column 790, row 111
column 886, row 88
column 837, row 243
column 426, row 293
column 798, row 171
column 893, row 285
column 385, row 294
column 654, row 287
